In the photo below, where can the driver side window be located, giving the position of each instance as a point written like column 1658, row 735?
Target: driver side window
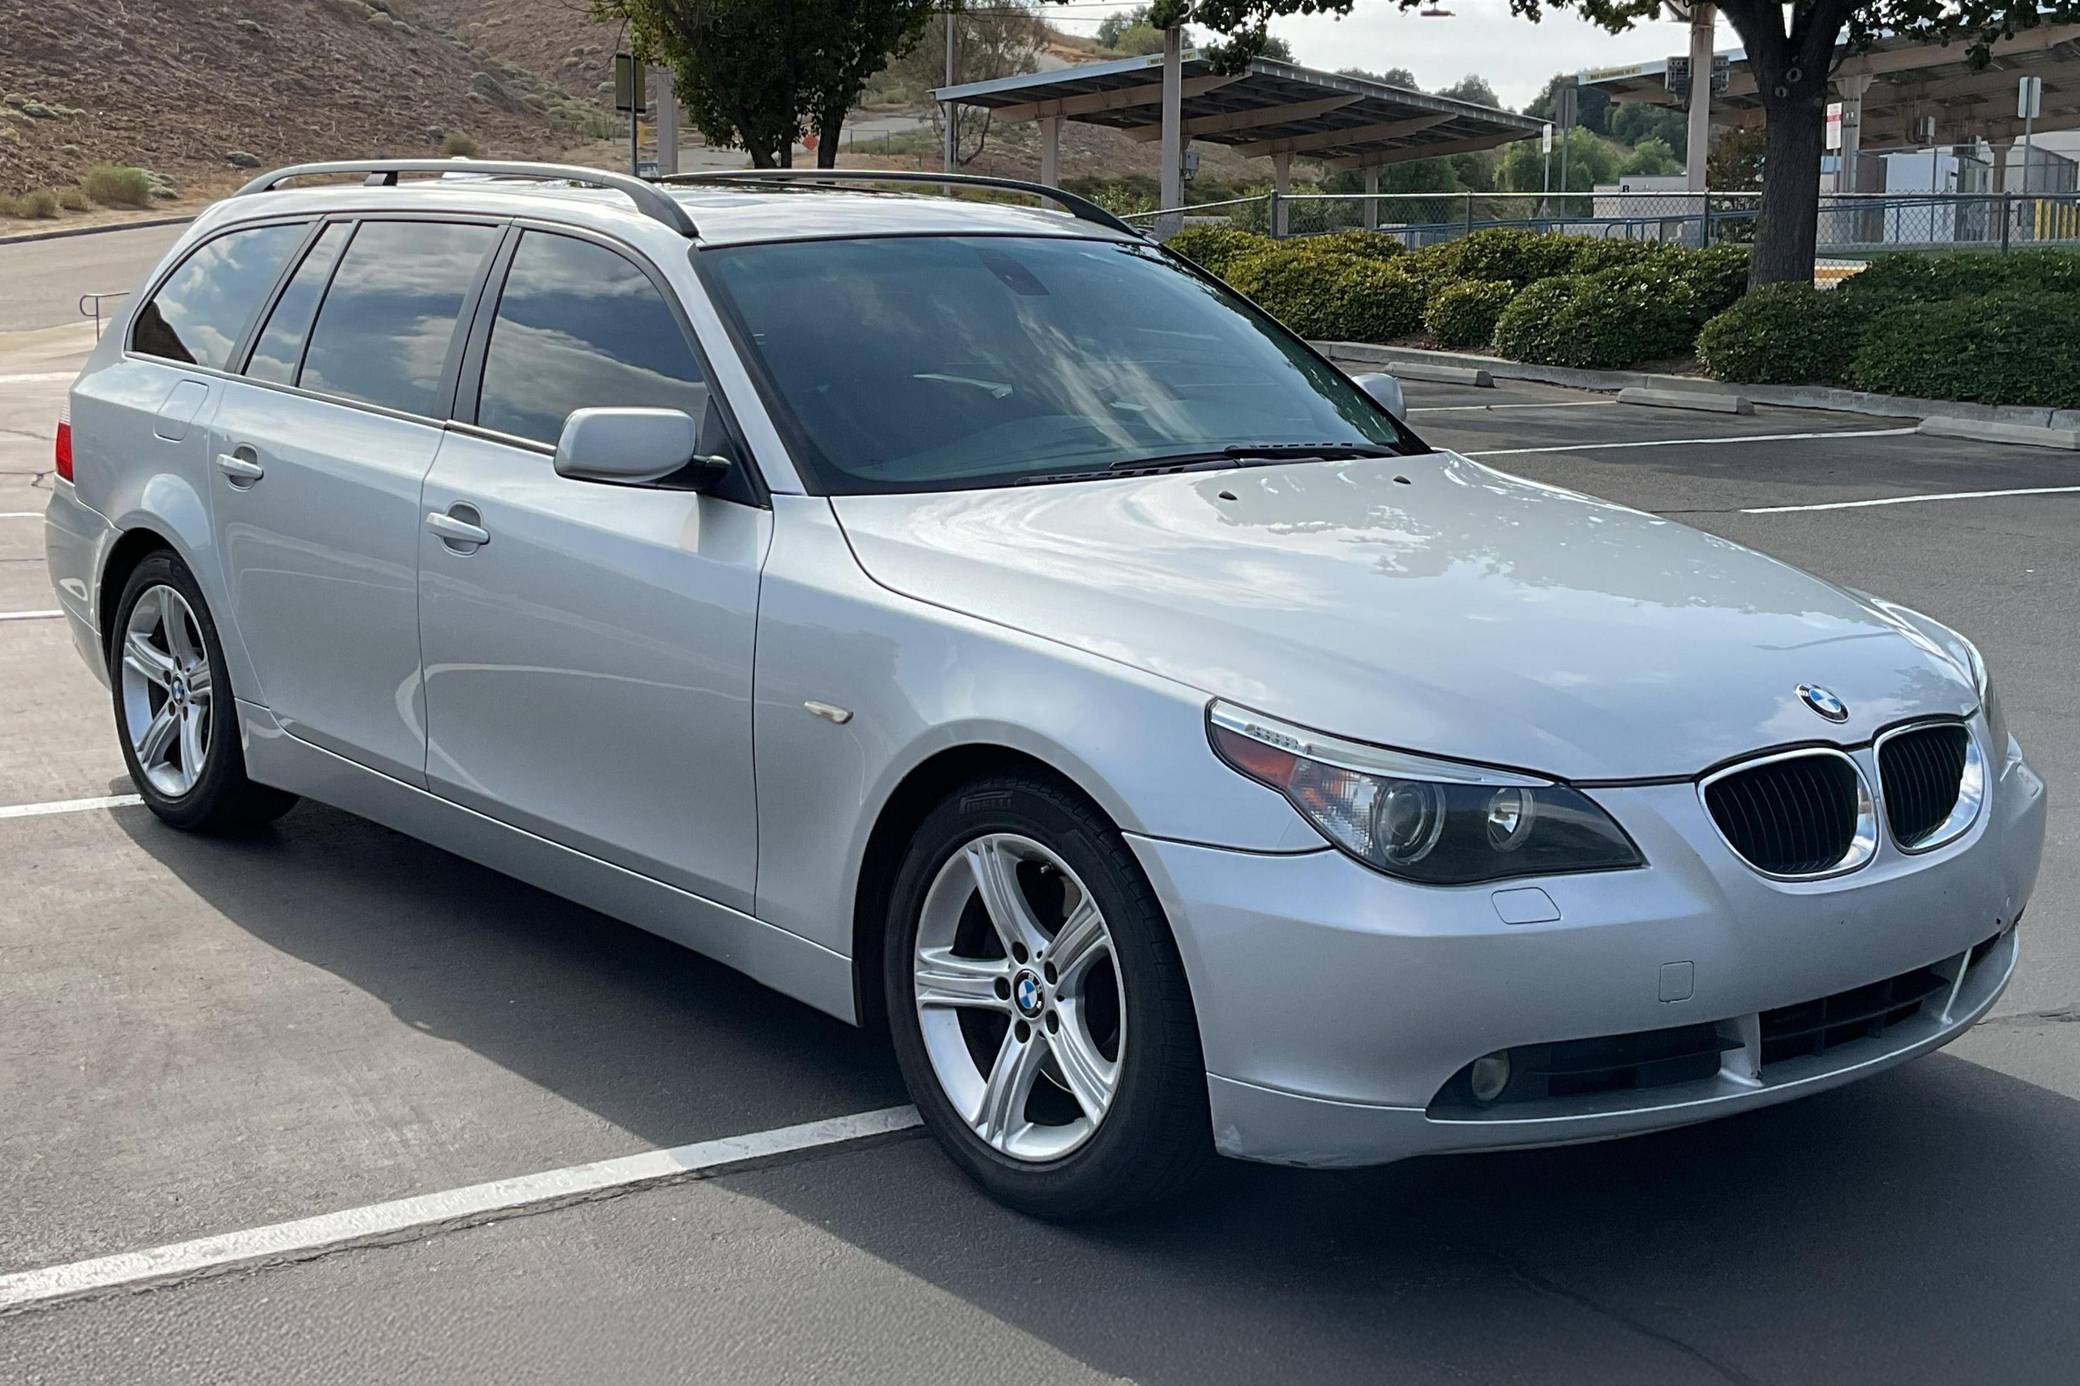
column 579, row 326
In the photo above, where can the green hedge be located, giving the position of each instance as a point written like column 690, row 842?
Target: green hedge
column 1783, row 334
column 1215, row 248
column 1366, row 245
column 1604, row 321
column 2016, row 347
column 1464, row 314
column 1515, row 257
column 1934, row 275
column 1327, row 296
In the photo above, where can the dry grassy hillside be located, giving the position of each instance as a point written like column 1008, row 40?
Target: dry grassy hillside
column 196, row 89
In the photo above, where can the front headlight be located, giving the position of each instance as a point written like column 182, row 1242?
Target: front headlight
column 1996, row 719
column 1439, row 822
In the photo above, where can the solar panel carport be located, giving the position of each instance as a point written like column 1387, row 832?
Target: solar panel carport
column 1269, row 108
column 1886, row 90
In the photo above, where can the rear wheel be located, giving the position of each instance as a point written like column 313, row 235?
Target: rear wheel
column 1038, row 1005
column 174, row 711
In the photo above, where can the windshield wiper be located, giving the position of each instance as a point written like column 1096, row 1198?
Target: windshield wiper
column 1233, row 455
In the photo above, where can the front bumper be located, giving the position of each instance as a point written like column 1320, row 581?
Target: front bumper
column 1335, row 1003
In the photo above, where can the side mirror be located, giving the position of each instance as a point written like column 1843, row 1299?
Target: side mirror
column 1385, row 391
column 633, row 446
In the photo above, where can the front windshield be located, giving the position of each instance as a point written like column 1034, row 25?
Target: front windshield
column 926, row 363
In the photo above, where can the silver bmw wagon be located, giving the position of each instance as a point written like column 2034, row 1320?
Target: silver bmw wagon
column 972, row 619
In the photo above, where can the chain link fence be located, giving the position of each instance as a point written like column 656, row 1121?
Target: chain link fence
column 1851, row 225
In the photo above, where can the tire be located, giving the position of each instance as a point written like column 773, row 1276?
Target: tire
column 1115, row 1032
column 192, row 777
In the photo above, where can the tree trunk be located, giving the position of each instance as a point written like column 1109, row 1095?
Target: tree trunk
column 1787, row 222
column 829, row 126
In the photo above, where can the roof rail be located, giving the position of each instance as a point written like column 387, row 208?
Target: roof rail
column 382, row 173
column 1082, row 208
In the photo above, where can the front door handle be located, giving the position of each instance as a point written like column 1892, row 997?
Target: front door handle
column 457, row 532
column 242, row 470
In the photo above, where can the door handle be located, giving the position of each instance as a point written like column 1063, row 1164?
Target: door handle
column 455, row 531
column 243, row 471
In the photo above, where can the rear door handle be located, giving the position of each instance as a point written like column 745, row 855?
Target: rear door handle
column 456, row 532
column 243, row 471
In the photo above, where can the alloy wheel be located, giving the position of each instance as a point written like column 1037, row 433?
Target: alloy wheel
column 168, row 690
column 1019, row 997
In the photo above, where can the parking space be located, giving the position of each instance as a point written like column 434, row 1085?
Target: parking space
column 200, row 1037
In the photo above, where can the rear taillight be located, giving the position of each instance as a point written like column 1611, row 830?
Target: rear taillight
column 62, row 448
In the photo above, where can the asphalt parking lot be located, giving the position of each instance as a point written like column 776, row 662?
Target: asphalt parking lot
column 208, row 1037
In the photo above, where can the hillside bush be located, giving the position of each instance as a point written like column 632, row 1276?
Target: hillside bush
column 1463, row 315
column 112, row 185
column 1607, row 320
column 1215, row 248
column 75, row 200
column 458, row 144
column 2016, row 347
column 38, row 205
column 1783, row 334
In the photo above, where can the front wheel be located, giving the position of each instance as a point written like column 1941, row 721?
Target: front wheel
column 174, row 710
column 1038, row 1005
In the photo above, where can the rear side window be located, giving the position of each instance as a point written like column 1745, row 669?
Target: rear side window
column 203, row 307
column 384, row 331
column 281, row 342
column 580, row 327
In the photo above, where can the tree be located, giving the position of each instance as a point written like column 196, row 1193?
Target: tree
column 1392, row 77
column 1735, row 163
column 1591, row 159
column 990, row 40
column 1651, row 158
column 759, row 73
column 1591, row 104
column 1792, row 49
column 1634, row 121
column 1474, row 88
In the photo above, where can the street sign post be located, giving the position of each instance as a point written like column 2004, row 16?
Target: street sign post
column 629, row 96
column 2029, row 104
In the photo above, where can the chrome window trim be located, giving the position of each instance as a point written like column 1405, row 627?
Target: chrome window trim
column 1972, row 785
column 1863, row 845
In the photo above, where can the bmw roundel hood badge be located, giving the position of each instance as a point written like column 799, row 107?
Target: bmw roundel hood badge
column 1823, row 702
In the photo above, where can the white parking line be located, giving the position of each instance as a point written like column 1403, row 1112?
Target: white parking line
column 1914, row 500
column 106, row 801
column 379, row 1222
column 28, row 615
column 21, row 514
column 38, row 377
column 1702, row 442
column 1542, row 404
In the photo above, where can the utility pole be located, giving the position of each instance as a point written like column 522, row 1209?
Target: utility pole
column 2029, row 104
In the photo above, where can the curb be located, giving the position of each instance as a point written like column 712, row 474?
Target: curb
column 1979, row 430
column 59, row 235
column 1784, row 396
column 1445, row 375
column 1685, row 399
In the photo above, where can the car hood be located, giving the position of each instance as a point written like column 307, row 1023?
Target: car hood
column 1428, row 603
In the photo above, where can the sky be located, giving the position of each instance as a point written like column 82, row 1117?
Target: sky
column 1515, row 55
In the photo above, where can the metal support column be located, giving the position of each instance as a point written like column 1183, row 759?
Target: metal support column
column 952, row 109
column 667, row 124
column 1173, row 131
column 1700, row 129
column 1051, row 150
column 1852, row 90
column 1282, row 184
column 1371, row 191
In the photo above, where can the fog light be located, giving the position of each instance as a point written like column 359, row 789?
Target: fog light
column 1489, row 1076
